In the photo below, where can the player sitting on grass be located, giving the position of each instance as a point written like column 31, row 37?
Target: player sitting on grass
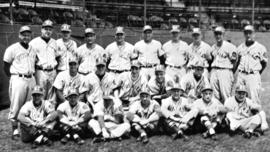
column 177, row 112
column 37, row 118
column 74, row 116
column 109, row 122
column 245, row 114
column 144, row 116
column 211, row 112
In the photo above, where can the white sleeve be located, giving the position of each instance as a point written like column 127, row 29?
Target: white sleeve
column 59, row 82
column 9, row 55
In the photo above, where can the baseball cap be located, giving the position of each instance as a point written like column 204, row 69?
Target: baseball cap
column 199, row 63
column 249, row 28
column 219, row 29
column 37, row 90
column 175, row 87
column 100, row 61
column 47, row 23
column 135, row 63
column 207, row 87
column 65, row 28
column 72, row 91
column 175, row 28
column 196, row 31
column 89, row 30
column 147, row 28
column 241, row 88
column 73, row 59
column 25, row 29
column 145, row 90
column 119, row 30
column 107, row 98
column 160, row 68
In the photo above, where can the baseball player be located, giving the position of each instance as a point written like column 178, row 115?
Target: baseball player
column 47, row 53
column 98, row 84
column 144, row 116
column 37, row 118
column 252, row 62
column 66, row 48
column 149, row 52
column 177, row 113
column 244, row 114
column 177, row 55
column 199, row 50
column 224, row 59
column 211, row 112
column 109, row 122
column 19, row 64
column 74, row 117
column 129, row 85
column 120, row 53
column 159, row 84
column 67, row 79
column 89, row 52
column 193, row 82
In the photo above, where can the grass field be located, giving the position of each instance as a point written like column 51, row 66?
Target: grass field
column 163, row 143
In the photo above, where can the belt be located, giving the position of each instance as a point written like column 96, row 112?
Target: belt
column 83, row 73
column 149, row 66
column 118, row 71
column 219, row 68
column 173, row 66
column 245, row 72
column 25, row 76
column 43, row 69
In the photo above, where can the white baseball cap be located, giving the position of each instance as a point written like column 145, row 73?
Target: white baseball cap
column 219, row 29
column 119, row 29
column 175, row 28
column 249, row 28
column 47, row 23
column 89, row 30
column 196, row 31
column 25, row 29
column 147, row 28
column 65, row 28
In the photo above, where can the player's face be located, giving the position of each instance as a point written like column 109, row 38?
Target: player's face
column 73, row 99
column 175, row 36
column 145, row 99
column 37, row 99
column 46, row 32
column 218, row 36
column 66, row 35
column 25, row 37
column 73, row 67
column 135, row 70
column 90, row 38
column 207, row 96
column 101, row 69
column 249, row 35
column 196, row 37
column 147, row 35
column 120, row 37
column 160, row 76
column 240, row 95
column 198, row 71
column 176, row 93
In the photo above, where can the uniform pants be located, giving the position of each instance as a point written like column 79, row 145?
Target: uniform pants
column 148, row 72
column 65, row 129
column 176, row 73
column 45, row 80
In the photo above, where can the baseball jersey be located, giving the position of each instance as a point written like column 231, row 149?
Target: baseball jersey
column 199, row 53
column 174, row 108
column 211, row 108
column 64, row 81
column 128, row 87
column 251, row 57
column 73, row 113
column 88, row 57
column 148, row 53
column 37, row 114
column 22, row 60
column 176, row 53
column 159, row 88
column 191, row 86
column 243, row 110
column 109, row 112
column 120, row 56
column 144, row 112
column 97, row 88
column 46, row 52
column 66, row 50
column 223, row 55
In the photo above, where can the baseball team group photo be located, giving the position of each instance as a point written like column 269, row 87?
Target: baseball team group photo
column 184, row 88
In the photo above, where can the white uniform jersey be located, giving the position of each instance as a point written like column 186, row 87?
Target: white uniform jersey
column 148, row 53
column 176, row 53
column 120, row 56
column 251, row 57
column 97, row 88
column 128, row 87
column 223, row 55
column 64, row 81
column 199, row 53
column 107, row 112
column 73, row 113
column 144, row 112
column 88, row 57
column 46, row 52
column 210, row 109
column 37, row 114
column 66, row 50
column 22, row 60
column 175, row 108
column 159, row 88
column 242, row 110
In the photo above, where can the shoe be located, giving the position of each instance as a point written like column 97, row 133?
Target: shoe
column 174, row 136
column 139, row 138
column 64, row 140
column 98, row 139
column 214, row 137
column 185, row 137
column 145, row 140
column 48, row 142
column 247, row 135
column 35, row 145
column 79, row 141
column 205, row 135
column 15, row 137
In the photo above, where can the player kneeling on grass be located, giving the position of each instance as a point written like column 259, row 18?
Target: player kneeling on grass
column 109, row 122
column 144, row 116
column 245, row 114
column 211, row 112
column 37, row 118
column 177, row 112
column 74, row 116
